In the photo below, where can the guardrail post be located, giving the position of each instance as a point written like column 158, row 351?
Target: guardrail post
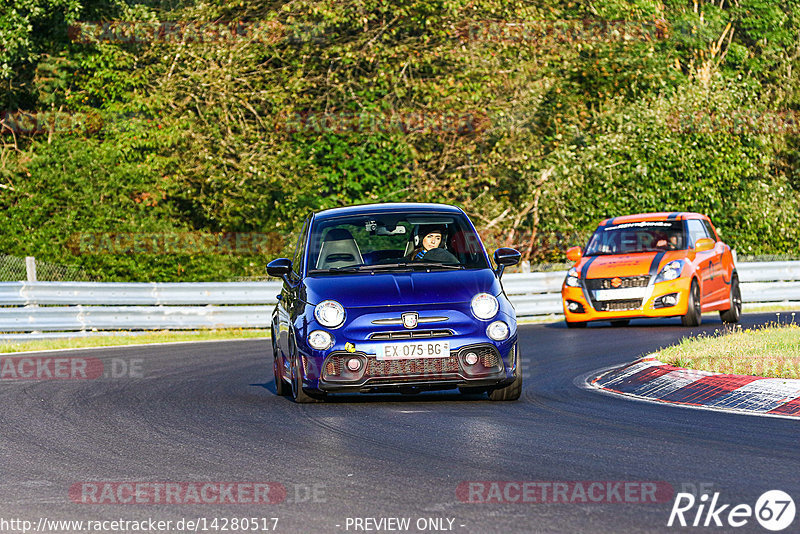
column 30, row 267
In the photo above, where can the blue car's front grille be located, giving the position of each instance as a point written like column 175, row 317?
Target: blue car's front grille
column 421, row 366
column 410, row 334
column 486, row 361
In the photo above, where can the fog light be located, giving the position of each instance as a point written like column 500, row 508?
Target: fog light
column 320, row 340
column 471, row 358
column 575, row 307
column 666, row 301
column 354, row 364
column 498, row 331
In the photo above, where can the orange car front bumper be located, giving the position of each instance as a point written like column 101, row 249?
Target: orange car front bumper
column 679, row 286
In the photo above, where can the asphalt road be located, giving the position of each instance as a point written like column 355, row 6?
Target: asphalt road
column 207, row 412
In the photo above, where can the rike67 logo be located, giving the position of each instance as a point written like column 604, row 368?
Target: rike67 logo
column 774, row 510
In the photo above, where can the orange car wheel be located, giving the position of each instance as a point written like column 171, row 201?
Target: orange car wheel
column 693, row 315
column 734, row 313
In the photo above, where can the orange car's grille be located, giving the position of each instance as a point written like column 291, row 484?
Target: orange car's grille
column 608, row 283
column 619, row 305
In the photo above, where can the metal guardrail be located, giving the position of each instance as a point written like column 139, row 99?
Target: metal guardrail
column 89, row 306
column 762, row 284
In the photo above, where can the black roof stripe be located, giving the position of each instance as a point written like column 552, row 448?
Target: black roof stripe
column 655, row 263
column 585, row 268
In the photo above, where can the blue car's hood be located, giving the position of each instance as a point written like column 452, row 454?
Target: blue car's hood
column 401, row 288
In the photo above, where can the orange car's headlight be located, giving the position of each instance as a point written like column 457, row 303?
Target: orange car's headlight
column 572, row 278
column 670, row 271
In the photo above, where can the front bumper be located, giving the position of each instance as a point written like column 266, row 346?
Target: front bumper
column 367, row 329
column 651, row 304
column 491, row 370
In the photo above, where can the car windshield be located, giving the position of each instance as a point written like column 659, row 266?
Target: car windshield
column 633, row 237
column 394, row 242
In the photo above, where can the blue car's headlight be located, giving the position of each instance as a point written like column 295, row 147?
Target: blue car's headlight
column 484, row 306
column 329, row 313
column 572, row 278
column 671, row 271
column 498, row 331
column 320, row 340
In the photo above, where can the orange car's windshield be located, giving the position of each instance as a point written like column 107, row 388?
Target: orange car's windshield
column 633, row 237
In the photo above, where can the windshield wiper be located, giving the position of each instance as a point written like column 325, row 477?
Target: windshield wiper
column 412, row 265
column 347, row 269
column 433, row 264
column 385, row 266
column 406, row 265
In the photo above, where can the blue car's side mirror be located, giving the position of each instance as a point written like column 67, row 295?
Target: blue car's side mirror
column 505, row 257
column 279, row 268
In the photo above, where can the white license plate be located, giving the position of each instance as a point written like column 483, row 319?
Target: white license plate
column 620, row 294
column 413, row 349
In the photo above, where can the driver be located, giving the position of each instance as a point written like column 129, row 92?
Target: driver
column 428, row 238
column 672, row 244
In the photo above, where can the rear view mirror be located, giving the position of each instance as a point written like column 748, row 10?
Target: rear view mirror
column 703, row 244
column 397, row 230
column 505, row 257
column 279, row 268
column 574, row 254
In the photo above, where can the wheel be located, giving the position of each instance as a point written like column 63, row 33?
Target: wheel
column 576, row 324
column 298, row 394
column 693, row 315
column 734, row 313
column 512, row 391
column 621, row 322
column 281, row 387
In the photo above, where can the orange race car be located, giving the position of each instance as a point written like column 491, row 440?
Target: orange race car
column 652, row 265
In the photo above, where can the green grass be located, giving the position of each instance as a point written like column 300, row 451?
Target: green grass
column 772, row 351
column 163, row 336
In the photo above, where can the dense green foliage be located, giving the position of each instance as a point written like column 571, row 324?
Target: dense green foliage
column 539, row 118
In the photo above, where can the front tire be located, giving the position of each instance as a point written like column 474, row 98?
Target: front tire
column 281, row 387
column 298, row 394
column 576, row 324
column 693, row 315
column 734, row 313
column 512, row 391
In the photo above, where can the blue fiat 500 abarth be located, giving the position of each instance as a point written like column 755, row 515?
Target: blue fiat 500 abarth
column 393, row 298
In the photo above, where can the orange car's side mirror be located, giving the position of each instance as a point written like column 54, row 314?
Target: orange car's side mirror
column 703, row 244
column 574, row 253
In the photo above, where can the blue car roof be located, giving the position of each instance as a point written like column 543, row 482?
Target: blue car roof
column 388, row 207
